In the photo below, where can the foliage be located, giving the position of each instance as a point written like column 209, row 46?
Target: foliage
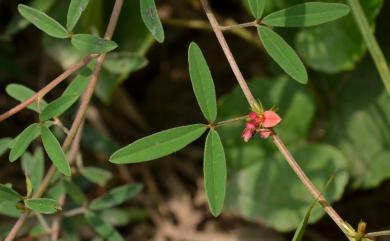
column 84, row 187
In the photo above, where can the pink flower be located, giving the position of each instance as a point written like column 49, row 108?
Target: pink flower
column 270, row 119
column 247, row 134
column 254, row 117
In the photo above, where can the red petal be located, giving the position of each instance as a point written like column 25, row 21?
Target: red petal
column 247, row 134
column 252, row 115
column 265, row 134
column 270, row 119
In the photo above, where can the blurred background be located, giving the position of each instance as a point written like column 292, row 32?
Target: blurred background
column 337, row 124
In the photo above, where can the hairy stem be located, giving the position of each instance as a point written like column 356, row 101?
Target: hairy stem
column 277, row 141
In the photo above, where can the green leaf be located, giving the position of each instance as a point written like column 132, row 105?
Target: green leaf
column 42, row 205
column 283, row 54
column 151, row 19
column 122, row 62
column 23, row 140
column 298, row 235
column 76, row 8
column 214, row 169
column 22, row 93
column 34, row 166
column 324, row 47
column 80, row 83
column 202, row 82
column 9, row 209
column 57, row 107
column 257, row 7
column 102, row 228
column 92, row 44
column 116, row 217
column 158, row 145
column 75, row 193
column 5, row 144
column 306, row 14
column 42, row 21
column 54, row 151
column 96, row 175
column 18, row 23
column 116, row 196
column 7, row 194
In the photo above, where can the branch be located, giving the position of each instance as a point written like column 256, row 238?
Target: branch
column 40, row 94
column 228, row 53
column 277, row 141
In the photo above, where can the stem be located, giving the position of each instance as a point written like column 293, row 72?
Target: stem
column 75, row 212
column 205, row 26
column 377, row 234
column 227, row 122
column 46, row 89
column 79, row 117
column 92, row 83
column 277, row 141
column 43, row 222
column 306, row 181
column 371, row 42
column 228, row 53
column 240, row 25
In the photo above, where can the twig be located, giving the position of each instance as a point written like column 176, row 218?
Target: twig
column 230, row 121
column 306, row 181
column 228, row 53
column 75, row 212
column 240, row 25
column 43, row 222
column 46, row 89
column 73, row 131
column 205, row 26
column 377, row 234
column 278, row 142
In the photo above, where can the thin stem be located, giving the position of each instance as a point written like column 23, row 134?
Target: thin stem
column 306, row 181
column 372, row 44
column 377, row 234
column 230, row 121
column 46, row 89
column 17, row 226
column 43, row 222
column 228, row 53
column 205, row 26
column 240, row 25
column 74, row 212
